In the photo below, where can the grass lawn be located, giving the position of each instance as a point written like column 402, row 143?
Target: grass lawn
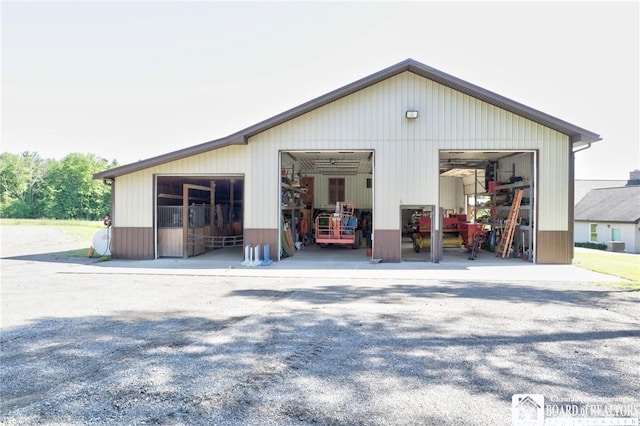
column 83, row 229
column 621, row 265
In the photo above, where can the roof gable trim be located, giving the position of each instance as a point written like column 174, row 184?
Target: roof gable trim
column 575, row 133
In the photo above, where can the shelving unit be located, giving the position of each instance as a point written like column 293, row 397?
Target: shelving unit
column 501, row 198
column 292, row 203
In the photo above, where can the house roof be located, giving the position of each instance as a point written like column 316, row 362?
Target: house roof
column 583, row 186
column 577, row 134
column 610, row 205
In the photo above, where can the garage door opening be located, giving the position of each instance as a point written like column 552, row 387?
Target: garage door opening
column 326, row 209
column 197, row 215
column 487, row 201
column 417, row 236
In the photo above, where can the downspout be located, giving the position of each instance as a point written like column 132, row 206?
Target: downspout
column 571, row 200
column 584, row 148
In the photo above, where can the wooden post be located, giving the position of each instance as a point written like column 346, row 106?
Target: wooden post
column 212, row 208
column 185, row 220
column 231, row 202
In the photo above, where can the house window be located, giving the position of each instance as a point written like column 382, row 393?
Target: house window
column 336, row 190
column 594, row 232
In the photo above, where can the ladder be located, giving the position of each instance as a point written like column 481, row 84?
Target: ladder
column 506, row 239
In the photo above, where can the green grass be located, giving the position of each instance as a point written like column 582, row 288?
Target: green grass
column 84, row 230
column 621, row 265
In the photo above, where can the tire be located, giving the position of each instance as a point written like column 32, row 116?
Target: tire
column 358, row 239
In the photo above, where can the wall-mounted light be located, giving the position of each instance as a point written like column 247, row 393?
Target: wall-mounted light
column 411, row 115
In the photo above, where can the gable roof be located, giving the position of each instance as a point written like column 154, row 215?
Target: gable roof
column 583, row 186
column 610, row 205
column 576, row 134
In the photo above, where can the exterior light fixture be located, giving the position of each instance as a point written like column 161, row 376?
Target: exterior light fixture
column 411, row 115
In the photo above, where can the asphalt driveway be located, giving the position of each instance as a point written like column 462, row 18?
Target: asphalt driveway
column 116, row 343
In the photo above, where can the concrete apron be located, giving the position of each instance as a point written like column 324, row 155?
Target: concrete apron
column 355, row 264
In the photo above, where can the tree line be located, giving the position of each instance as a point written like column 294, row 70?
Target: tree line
column 33, row 187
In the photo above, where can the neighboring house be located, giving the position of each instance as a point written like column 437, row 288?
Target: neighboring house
column 405, row 138
column 606, row 215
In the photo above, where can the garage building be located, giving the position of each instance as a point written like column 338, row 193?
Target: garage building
column 422, row 156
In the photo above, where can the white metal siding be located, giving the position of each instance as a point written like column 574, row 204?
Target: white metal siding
column 133, row 200
column 406, row 152
column 134, row 192
column 452, row 194
column 355, row 190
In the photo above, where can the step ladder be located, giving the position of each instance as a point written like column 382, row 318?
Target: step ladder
column 506, row 238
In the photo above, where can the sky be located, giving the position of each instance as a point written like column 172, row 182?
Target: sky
column 131, row 80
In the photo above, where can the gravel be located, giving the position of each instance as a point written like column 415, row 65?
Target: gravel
column 82, row 343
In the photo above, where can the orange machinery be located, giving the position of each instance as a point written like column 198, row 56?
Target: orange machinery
column 339, row 227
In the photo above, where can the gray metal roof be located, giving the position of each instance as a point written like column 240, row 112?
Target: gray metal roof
column 610, row 205
column 576, row 134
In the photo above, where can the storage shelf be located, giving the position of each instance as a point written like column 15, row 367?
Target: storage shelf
column 506, row 208
column 293, row 188
column 515, row 185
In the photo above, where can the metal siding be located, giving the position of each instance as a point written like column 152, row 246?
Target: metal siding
column 355, row 190
column 134, row 198
column 452, row 193
column 132, row 243
column 407, row 150
column 386, row 244
column 262, row 208
column 553, row 183
column 554, row 247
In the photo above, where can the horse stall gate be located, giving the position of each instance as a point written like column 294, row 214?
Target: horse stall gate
column 197, row 215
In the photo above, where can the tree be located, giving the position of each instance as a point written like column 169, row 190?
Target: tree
column 20, row 179
column 72, row 193
column 33, row 187
column 13, row 177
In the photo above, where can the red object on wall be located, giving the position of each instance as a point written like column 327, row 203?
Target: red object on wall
column 493, row 184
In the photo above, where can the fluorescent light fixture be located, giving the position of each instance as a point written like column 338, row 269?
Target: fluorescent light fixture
column 412, row 115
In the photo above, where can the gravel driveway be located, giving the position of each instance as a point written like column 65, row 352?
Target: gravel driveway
column 89, row 343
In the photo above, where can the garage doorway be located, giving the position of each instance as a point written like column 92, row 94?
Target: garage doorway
column 416, row 235
column 477, row 192
column 329, row 193
column 198, row 214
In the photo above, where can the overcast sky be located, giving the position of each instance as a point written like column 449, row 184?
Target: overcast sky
column 131, row 80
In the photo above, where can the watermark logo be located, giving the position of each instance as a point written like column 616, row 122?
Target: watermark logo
column 527, row 409
column 536, row 410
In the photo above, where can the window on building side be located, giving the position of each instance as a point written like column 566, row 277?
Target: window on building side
column 336, row 190
column 594, row 232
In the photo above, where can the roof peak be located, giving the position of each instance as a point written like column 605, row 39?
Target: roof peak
column 575, row 133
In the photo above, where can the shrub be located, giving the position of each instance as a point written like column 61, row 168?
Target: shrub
column 15, row 209
column 590, row 245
